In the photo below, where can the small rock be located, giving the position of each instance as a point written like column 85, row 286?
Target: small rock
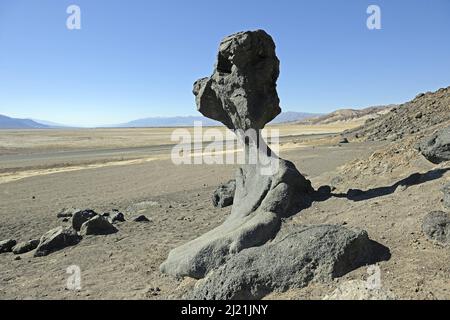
column 436, row 226
column 223, row 196
column 97, row 226
column 7, row 245
column 57, row 239
column 116, row 216
column 66, row 213
column 343, row 141
column 140, row 218
column 436, row 148
column 17, row 258
column 81, row 216
column 26, row 246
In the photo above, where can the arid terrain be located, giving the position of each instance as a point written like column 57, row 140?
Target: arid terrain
column 44, row 171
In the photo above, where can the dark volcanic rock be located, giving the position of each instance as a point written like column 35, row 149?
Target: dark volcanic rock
column 140, row 218
column 116, row 216
column 81, row 216
column 446, row 192
column 97, row 226
column 437, row 147
column 293, row 259
column 57, row 239
column 423, row 112
column 241, row 93
column 223, row 196
column 25, row 246
column 7, row 245
column 436, row 226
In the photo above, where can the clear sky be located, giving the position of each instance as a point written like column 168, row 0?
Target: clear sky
column 134, row 59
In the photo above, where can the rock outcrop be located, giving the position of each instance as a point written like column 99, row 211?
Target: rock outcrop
column 423, row 112
column 223, row 196
column 242, row 95
column 26, row 246
column 297, row 256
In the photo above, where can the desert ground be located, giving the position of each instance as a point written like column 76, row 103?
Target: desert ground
column 44, row 171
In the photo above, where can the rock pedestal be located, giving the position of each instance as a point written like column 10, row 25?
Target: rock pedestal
column 242, row 95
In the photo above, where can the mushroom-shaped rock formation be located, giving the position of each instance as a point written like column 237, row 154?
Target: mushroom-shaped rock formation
column 242, row 95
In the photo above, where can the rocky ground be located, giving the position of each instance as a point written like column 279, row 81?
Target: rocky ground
column 124, row 265
column 425, row 113
column 387, row 185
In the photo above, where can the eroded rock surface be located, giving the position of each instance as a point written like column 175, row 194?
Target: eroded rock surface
column 57, row 239
column 224, row 194
column 297, row 256
column 242, row 95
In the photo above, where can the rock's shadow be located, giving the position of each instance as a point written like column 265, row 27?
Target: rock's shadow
column 324, row 192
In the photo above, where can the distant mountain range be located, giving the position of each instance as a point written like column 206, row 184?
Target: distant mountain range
column 284, row 117
column 14, row 123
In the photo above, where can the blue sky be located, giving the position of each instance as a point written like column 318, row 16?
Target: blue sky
column 135, row 59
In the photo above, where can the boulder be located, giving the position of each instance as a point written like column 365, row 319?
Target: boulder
column 241, row 93
column 57, row 239
column 436, row 227
column 297, row 256
column 97, row 226
column 26, row 246
column 7, row 245
column 80, row 217
column 223, row 196
column 437, row 147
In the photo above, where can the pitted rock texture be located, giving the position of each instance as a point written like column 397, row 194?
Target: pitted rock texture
column 297, row 256
column 242, row 94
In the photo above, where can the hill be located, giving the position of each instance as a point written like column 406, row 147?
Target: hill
column 424, row 113
column 14, row 123
column 186, row 121
column 347, row 115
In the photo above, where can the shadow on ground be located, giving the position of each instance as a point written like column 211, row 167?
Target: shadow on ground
column 325, row 192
